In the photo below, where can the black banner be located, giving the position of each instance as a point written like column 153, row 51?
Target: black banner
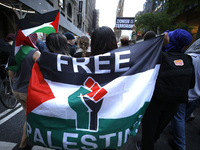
column 123, row 61
column 125, row 23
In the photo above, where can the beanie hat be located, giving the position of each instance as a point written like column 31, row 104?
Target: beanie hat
column 10, row 37
column 69, row 36
column 178, row 39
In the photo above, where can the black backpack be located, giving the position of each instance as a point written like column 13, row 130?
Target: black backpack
column 175, row 78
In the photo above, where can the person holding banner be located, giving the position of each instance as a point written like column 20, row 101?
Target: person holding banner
column 100, row 44
column 167, row 97
column 103, row 40
column 185, row 110
column 21, row 82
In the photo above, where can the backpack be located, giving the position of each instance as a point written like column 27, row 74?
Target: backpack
column 175, row 78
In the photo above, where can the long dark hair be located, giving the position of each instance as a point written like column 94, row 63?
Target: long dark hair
column 103, row 40
column 57, row 43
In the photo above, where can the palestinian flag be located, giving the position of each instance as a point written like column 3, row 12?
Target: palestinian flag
column 26, row 39
column 94, row 102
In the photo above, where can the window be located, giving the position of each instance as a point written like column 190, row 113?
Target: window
column 69, row 10
column 61, row 3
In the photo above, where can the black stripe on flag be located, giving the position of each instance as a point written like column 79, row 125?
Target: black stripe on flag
column 143, row 56
column 36, row 20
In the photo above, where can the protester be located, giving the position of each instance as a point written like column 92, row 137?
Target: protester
column 57, row 43
column 71, row 41
column 178, row 121
column 133, row 35
column 124, row 39
column 83, row 50
column 5, row 52
column 194, row 94
column 21, row 82
column 149, row 35
column 169, row 90
column 103, row 40
column 117, row 34
column 41, row 44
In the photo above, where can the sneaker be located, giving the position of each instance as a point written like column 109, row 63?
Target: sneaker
column 138, row 145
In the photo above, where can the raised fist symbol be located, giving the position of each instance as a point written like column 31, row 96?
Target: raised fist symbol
column 86, row 102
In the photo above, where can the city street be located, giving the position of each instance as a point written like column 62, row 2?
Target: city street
column 89, row 84
column 11, row 124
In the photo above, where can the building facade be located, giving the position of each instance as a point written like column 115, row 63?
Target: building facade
column 76, row 15
column 189, row 16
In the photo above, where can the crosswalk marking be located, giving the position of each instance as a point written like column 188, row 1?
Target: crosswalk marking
column 10, row 115
column 7, row 145
column 8, row 110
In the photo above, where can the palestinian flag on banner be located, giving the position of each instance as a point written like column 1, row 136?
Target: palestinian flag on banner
column 94, row 102
column 26, row 39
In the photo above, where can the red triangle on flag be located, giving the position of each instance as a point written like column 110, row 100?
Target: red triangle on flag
column 36, row 96
column 55, row 23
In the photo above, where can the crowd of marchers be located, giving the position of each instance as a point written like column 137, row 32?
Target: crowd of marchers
column 176, row 94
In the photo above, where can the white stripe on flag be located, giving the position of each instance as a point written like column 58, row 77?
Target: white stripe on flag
column 28, row 31
column 17, row 48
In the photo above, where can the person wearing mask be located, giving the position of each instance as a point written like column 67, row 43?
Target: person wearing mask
column 83, row 50
column 167, row 97
column 71, row 41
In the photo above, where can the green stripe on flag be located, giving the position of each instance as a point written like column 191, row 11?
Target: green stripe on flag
column 19, row 57
column 46, row 30
column 60, row 133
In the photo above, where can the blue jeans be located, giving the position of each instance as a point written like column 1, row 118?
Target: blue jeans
column 178, row 122
column 178, row 127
